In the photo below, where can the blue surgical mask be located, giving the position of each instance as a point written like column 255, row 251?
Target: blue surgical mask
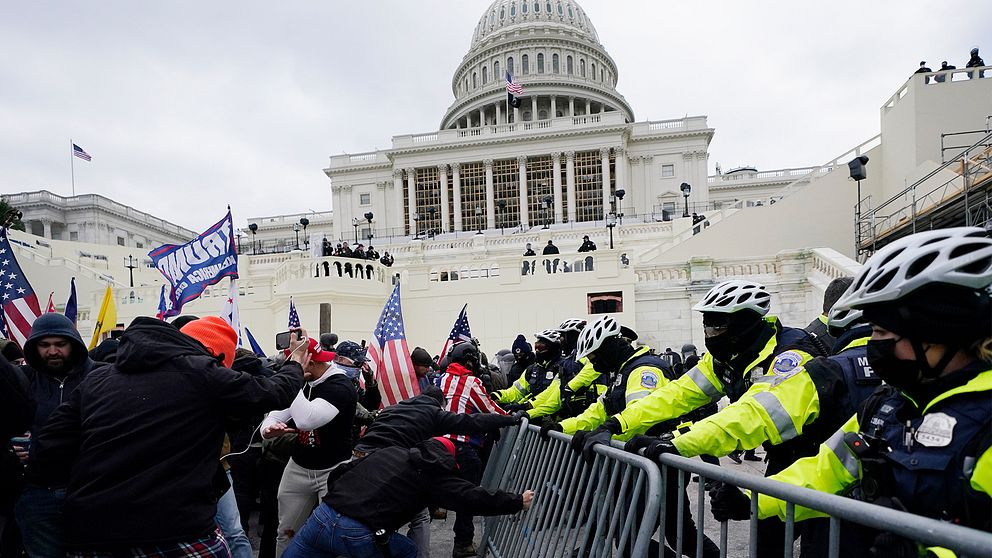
column 351, row 371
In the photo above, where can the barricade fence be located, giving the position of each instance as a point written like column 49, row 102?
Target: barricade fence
column 616, row 506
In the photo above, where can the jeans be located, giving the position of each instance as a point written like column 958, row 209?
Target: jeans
column 470, row 469
column 328, row 533
column 229, row 521
column 300, row 490
column 39, row 514
column 420, row 533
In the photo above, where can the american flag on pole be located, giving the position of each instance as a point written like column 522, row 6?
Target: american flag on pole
column 459, row 332
column 78, row 152
column 51, row 303
column 230, row 311
column 294, row 318
column 513, row 91
column 20, row 304
column 71, row 306
column 389, row 355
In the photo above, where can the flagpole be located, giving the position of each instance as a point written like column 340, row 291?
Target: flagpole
column 72, row 168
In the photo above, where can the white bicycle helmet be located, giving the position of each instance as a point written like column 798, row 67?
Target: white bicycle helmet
column 841, row 318
column 549, row 335
column 736, row 295
column 594, row 334
column 959, row 256
column 573, row 324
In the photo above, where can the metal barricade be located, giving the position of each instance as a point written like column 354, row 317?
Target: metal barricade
column 605, row 508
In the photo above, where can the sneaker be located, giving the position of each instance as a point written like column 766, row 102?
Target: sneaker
column 464, row 551
column 440, row 513
column 735, row 456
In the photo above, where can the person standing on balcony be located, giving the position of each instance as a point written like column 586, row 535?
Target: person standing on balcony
column 587, row 245
column 975, row 62
column 923, row 70
column 944, row 66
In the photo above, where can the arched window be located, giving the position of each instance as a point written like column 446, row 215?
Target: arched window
column 523, row 7
column 485, row 75
column 570, row 15
column 524, row 64
column 560, row 12
column 555, row 67
column 474, row 83
column 582, row 67
column 547, row 5
column 526, row 115
column 496, row 72
column 513, row 10
column 537, row 7
column 592, row 69
column 509, row 65
column 540, row 62
column 543, row 114
column 568, row 67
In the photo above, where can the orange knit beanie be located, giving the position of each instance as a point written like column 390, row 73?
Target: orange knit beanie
column 216, row 335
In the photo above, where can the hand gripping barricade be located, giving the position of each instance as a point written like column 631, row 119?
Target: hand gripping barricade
column 614, row 506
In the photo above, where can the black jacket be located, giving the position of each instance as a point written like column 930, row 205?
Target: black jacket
column 414, row 420
column 139, row 439
column 387, row 488
column 16, row 412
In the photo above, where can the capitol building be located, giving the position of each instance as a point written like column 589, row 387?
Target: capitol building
column 456, row 206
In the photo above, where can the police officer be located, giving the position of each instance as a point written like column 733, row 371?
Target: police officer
column 578, row 383
column 923, row 441
column 538, row 376
column 742, row 343
column 795, row 412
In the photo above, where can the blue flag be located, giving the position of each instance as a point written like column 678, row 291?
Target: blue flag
column 254, row 344
column 71, row 306
column 194, row 266
column 162, row 306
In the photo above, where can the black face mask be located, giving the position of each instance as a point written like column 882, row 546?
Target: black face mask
column 898, row 373
column 549, row 354
column 722, row 347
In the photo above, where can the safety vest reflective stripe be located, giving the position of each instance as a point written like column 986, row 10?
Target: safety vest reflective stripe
column 635, row 395
column 520, row 387
column 703, row 383
column 839, row 447
column 776, row 411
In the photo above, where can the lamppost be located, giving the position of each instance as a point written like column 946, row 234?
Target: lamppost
column 368, row 217
column 253, row 227
column 296, row 229
column 619, row 194
column 238, row 233
column 548, row 202
column 306, row 239
column 501, row 206
column 611, row 221
column 431, row 228
column 354, row 223
column 10, row 217
column 685, row 194
column 478, row 216
column 130, row 263
column 416, row 230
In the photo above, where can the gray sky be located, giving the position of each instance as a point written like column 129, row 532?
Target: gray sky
column 187, row 106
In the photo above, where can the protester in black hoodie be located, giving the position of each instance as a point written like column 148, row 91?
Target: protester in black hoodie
column 383, row 491
column 16, row 412
column 138, row 441
column 57, row 362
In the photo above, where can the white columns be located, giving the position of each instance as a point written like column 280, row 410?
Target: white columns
column 571, row 106
column 456, row 185
column 533, row 108
column 622, row 182
column 605, row 155
column 47, row 227
column 490, row 196
column 397, row 199
column 556, row 169
column 650, row 195
column 522, row 163
column 588, row 107
column 570, row 183
column 499, row 112
column 411, row 192
column 442, row 172
column 554, row 107
column 482, row 116
column 516, row 114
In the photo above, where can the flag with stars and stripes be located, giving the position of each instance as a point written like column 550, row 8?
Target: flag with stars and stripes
column 389, row 355
column 230, row 311
column 294, row 318
column 20, row 303
column 459, row 332
column 513, row 91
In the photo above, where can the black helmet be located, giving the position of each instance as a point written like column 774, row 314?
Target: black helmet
column 688, row 348
column 464, row 353
column 328, row 341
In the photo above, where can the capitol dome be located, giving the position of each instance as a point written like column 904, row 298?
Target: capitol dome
column 552, row 49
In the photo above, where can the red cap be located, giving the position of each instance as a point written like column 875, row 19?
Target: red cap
column 447, row 443
column 317, row 353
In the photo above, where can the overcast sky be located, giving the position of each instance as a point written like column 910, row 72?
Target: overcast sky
column 187, row 106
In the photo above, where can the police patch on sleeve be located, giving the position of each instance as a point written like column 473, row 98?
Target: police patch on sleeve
column 649, row 380
column 787, row 362
column 936, row 431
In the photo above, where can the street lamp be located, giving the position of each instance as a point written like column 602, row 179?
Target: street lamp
column 306, row 239
column 253, row 227
column 619, row 194
column 501, row 205
column 368, row 217
column 611, row 221
column 685, row 193
column 416, row 231
column 130, row 263
column 296, row 229
column 548, row 202
column 354, row 223
column 478, row 216
column 431, row 228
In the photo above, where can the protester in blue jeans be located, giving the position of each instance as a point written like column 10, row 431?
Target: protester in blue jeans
column 369, row 498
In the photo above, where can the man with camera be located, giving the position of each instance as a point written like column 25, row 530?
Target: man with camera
column 322, row 416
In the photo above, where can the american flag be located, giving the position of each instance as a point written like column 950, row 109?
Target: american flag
column 230, row 311
column 71, row 306
column 294, row 318
column 20, row 304
column 513, row 88
column 389, row 355
column 459, row 332
column 78, row 152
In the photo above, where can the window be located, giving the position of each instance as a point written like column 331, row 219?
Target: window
column 523, row 7
column 365, row 199
column 570, row 14
column 513, row 10
column 485, row 75
column 601, row 78
column 73, row 235
column 543, row 114
column 473, row 81
column 540, row 62
column 582, row 67
column 592, row 70
column 120, row 241
column 555, row 67
column 568, row 65
column 502, row 14
column 667, row 171
column 547, row 5
column 496, row 72
column 560, row 12
column 605, row 303
column 509, row 65
column 524, row 64
column 139, row 244
column 537, row 7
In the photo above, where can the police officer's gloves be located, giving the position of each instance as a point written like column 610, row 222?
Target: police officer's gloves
column 727, row 502
column 514, row 407
column 601, row 435
column 579, row 440
column 894, row 546
column 660, row 446
column 548, row 427
column 519, row 416
column 639, row 442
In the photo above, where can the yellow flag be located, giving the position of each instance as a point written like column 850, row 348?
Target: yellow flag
column 107, row 320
